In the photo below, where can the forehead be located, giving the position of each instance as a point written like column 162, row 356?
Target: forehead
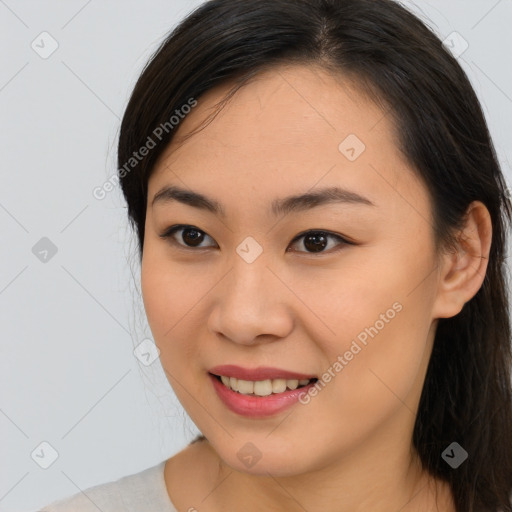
column 291, row 127
column 296, row 106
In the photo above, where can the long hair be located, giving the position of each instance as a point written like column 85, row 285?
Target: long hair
column 442, row 132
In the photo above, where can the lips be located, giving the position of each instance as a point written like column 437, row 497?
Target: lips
column 257, row 406
column 257, row 374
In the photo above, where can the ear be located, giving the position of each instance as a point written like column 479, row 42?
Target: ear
column 462, row 270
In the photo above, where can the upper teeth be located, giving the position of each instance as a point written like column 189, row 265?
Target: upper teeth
column 262, row 387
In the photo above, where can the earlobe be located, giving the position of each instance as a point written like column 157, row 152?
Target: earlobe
column 462, row 270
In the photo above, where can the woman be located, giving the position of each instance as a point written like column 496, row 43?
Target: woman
column 322, row 223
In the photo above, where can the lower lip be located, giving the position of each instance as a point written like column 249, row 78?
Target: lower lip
column 257, row 406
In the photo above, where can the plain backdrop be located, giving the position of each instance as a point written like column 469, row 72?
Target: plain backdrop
column 74, row 397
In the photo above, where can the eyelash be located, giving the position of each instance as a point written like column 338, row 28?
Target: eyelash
column 169, row 232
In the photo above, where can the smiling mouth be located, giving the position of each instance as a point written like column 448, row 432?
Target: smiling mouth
column 262, row 387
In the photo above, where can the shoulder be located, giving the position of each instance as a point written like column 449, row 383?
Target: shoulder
column 140, row 491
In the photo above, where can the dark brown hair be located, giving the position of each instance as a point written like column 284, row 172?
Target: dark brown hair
column 442, row 132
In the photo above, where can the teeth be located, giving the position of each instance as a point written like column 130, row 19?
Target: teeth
column 292, row 384
column 246, row 387
column 262, row 387
column 278, row 385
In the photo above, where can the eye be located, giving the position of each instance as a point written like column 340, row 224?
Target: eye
column 315, row 241
column 190, row 235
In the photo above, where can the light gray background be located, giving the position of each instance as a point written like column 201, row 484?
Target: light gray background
column 68, row 326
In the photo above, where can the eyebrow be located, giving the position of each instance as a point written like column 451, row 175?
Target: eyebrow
column 282, row 206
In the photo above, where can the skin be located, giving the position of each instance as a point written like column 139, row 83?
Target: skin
column 349, row 448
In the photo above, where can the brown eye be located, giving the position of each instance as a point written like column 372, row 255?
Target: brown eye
column 190, row 236
column 313, row 241
column 317, row 241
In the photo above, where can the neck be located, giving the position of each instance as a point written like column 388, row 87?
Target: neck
column 368, row 477
column 381, row 474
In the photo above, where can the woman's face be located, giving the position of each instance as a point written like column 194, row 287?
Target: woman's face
column 248, row 286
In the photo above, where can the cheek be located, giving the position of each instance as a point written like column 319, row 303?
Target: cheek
column 167, row 294
column 169, row 299
column 157, row 297
column 166, row 289
column 376, row 314
column 383, row 379
column 383, row 362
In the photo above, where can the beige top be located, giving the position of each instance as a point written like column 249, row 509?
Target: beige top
column 143, row 491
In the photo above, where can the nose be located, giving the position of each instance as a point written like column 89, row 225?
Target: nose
column 251, row 305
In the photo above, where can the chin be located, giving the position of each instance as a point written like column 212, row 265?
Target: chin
column 261, row 457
